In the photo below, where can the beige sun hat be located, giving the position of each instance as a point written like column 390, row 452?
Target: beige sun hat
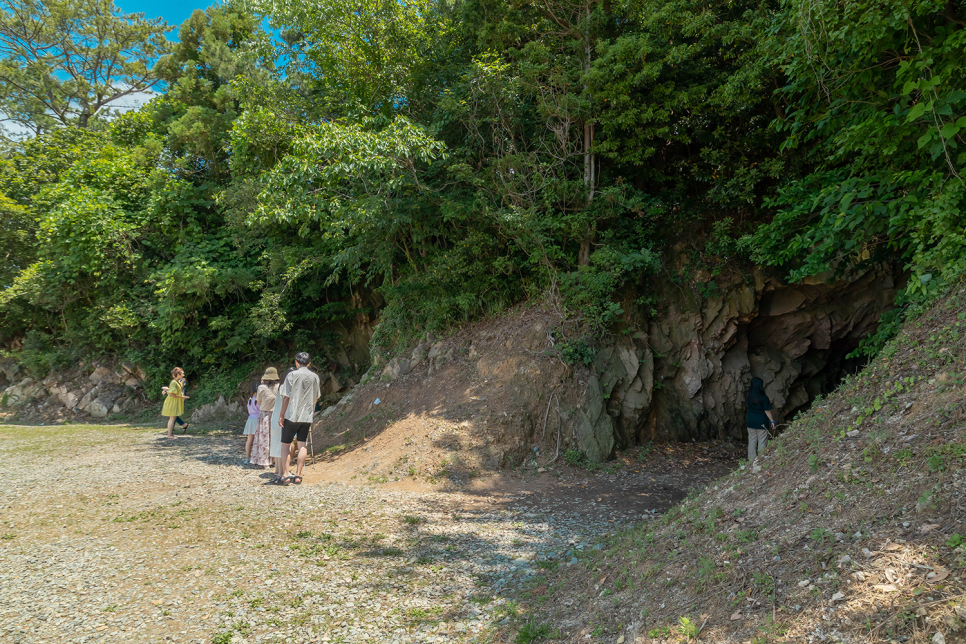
column 270, row 374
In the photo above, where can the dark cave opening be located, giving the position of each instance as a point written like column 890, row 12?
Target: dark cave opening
column 837, row 367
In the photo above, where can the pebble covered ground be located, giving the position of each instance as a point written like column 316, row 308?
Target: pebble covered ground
column 114, row 534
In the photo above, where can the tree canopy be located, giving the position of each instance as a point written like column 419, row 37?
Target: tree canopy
column 453, row 158
column 65, row 63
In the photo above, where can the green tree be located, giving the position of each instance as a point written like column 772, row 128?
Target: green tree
column 358, row 57
column 879, row 111
column 68, row 62
column 17, row 229
column 27, row 177
column 215, row 47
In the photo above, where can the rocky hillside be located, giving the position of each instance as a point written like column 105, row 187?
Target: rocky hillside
column 525, row 385
column 683, row 373
column 849, row 529
column 490, row 396
column 89, row 390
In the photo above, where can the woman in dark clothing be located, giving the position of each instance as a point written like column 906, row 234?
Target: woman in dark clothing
column 760, row 418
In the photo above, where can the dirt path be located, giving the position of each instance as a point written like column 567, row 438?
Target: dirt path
column 110, row 533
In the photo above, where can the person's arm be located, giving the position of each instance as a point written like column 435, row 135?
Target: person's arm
column 281, row 413
column 771, row 418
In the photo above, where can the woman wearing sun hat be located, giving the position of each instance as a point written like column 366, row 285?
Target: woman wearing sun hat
column 267, row 392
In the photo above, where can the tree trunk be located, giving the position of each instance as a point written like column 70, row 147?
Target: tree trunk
column 584, row 258
column 590, row 180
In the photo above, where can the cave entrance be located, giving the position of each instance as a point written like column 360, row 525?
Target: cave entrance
column 828, row 368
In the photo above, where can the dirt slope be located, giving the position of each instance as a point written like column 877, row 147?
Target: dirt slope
column 476, row 401
column 487, row 416
column 849, row 529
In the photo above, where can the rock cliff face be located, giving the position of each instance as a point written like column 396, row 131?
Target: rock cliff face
column 97, row 390
column 687, row 373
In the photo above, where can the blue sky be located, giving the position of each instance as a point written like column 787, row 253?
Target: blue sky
column 173, row 11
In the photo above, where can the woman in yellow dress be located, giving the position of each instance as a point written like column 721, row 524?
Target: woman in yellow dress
column 174, row 401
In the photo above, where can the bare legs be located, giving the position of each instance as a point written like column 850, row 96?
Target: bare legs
column 248, row 447
column 171, row 426
column 283, row 461
column 287, row 451
column 300, row 463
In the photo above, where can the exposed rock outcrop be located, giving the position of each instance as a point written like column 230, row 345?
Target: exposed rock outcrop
column 687, row 373
column 95, row 390
column 220, row 410
column 682, row 372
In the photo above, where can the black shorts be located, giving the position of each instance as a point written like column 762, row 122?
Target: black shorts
column 291, row 429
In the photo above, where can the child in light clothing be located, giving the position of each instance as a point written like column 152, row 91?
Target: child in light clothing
column 251, row 426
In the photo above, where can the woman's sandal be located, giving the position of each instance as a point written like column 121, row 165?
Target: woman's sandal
column 184, row 428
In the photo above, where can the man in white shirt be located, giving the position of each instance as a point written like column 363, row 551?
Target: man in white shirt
column 299, row 393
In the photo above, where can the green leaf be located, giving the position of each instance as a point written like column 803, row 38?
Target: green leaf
column 917, row 110
column 949, row 130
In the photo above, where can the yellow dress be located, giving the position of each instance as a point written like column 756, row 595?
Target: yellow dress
column 173, row 406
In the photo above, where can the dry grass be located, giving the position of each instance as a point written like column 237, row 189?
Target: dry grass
column 848, row 529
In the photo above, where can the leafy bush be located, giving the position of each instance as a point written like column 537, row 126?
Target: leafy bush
column 687, row 629
column 850, row 209
column 574, row 456
column 577, row 352
column 645, row 451
column 41, row 354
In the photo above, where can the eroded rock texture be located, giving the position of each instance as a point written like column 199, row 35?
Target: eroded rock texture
column 687, row 374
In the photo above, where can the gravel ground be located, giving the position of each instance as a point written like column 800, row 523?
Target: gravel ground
column 112, row 534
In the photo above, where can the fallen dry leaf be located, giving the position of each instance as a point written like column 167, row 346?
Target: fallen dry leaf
column 929, row 527
column 736, row 617
column 940, row 575
column 891, row 547
column 886, row 588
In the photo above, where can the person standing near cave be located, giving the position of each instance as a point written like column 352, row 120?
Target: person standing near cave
column 275, row 451
column 760, row 418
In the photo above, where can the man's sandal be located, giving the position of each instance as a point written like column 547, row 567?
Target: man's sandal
column 297, row 480
column 278, row 480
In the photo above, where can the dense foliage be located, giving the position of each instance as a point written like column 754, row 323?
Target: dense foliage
column 451, row 158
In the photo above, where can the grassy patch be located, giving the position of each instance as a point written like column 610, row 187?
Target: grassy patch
column 417, row 616
column 531, row 633
column 57, row 440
